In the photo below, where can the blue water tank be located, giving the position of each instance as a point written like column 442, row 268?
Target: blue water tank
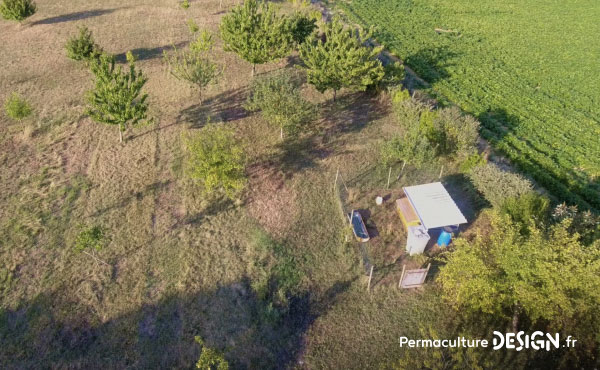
column 445, row 237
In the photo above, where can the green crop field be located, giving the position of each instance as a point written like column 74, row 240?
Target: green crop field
column 528, row 69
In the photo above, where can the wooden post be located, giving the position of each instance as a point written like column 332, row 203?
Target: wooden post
column 441, row 171
column 426, row 272
column 401, row 277
column 389, row 175
column 370, row 277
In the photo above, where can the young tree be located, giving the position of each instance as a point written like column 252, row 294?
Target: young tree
column 82, row 47
column 210, row 359
column 17, row 10
column 280, row 102
column 256, row 33
column 342, row 60
column 117, row 97
column 216, row 160
column 193, row 65
column 542, row 275
column 17, row 107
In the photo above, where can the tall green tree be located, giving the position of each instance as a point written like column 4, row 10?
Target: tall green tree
column 256, row 33
column 117, row 97
column 194, row 64
column 216, row 160
column 342, row 59
column 542, row 275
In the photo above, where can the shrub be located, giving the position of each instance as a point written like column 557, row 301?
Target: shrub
column 17, row 10
column 83, row 47
column 455, row 134
column 280, row 102
column 528, row 208
column 411, row 147
column 216, row 160
column 392, row 77
column 497, row 185
column 16, row 107
column 185, row 4
column 90, row 238
column 210, row 359
column 472, row 161
column 193, row 65
column 193, row 26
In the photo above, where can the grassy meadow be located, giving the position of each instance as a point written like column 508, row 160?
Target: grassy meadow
column 527, row 70
column 179, row 263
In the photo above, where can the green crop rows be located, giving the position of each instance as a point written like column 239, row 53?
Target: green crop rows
column 529, row 70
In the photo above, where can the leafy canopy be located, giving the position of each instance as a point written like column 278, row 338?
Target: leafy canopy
column 256, row 33
column 280, row 102
column 342, row 60
column 117, row 97
column 17, row 10
column 16, row 107
column 548, row 274
column 216, row 160
column 194, row 65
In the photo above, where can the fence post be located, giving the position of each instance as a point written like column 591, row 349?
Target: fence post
column 441, row 171
column 389, row 175
column 370, row 277
column 401, row 277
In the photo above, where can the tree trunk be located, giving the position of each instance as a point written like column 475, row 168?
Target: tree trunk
column 515, row 319
column 334, row 94
column 120, row 135
column 253, row 69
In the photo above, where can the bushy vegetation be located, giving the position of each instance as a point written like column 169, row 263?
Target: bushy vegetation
column 497, row 185
column 210, row 359
column 411, row 147
column 256, row 33
column 474, row 56
column 117, row 97
column 194, row 65
column 215, row 159
column 16, row 107
column 278, row 99
column 17, row 10
column 427, row 133
column 92, row 237
column 342, row 59
column 82, row 46
column 543, row 279
column 527, row 209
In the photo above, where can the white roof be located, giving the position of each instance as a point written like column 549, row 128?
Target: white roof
column 434, row 206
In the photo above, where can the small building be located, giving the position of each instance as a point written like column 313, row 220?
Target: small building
column 425, row 207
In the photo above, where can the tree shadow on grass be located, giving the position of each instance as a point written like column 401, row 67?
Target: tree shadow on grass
column 224, row 107
column 432, row 64
column 75, row 16
column 148, row 53
column 151, row 189
column 351, row 113
column 231, row 319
